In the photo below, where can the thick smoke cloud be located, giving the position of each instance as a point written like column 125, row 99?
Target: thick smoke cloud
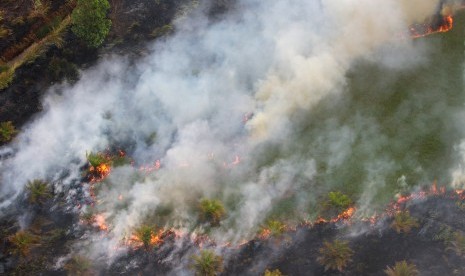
column 284, row 62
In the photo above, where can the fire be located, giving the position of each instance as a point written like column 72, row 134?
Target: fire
column 441, row 25
column 151, row 168
column 264, row 234
column 347, row 214
column 99, row 221
column 155, row 239
column 103, row 170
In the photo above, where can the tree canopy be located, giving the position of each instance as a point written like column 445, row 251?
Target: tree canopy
column 90, row 22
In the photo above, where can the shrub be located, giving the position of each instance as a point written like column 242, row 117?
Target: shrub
column 144, row 234
column 457, row 244
column 338, row 200
column 39, row 191
column 402, row 269
column 211, row 211
column 7, row 131
column 90, row 22
column 207, row 263
column 78, row 265
column 275, row 272
column 403, row 222
column 273, row 228
column 22, row 242
column 335, row 255
column 97, row 159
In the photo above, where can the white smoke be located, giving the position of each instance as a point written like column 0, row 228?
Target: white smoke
column 276, row 59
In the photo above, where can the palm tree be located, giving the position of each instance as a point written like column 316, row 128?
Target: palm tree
column 39, row 191
column 402, row 269
column 211, row 211
column 23, row 242
column 335, row 255
column 207, row 263
column 403, row 222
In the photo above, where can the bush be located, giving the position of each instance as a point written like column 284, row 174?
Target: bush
column 403, row 222
column 7, row 131
column 338, row 200
column 22, row 242
column 402, row 269
column 144, row 234
column 211, row 211
column 97, row 159
column 335, row 255
column 90, row 22
column 273, row 228
column 39, row 191
column 207, row 263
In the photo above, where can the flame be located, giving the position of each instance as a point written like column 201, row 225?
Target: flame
column 347, row 214
column 264, row 234
column 103, row 170
column 155, row 239
column 421, row 30
column 99, row 221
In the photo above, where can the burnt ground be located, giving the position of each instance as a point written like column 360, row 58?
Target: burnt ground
column 134, row 25
column 375, row 246
column 294, row 253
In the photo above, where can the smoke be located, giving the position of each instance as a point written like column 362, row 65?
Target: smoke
column 318, row 124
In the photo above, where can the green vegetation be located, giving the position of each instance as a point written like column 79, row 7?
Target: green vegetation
column 338, row 200
column 403, row 222
column 457, row 244
column 144, row 234
column 90, row 22
column 402, row 269
column 78, row 265
column 7, row 130
column 335, row 255
column 39, row 191
column 23, row 242
column 207, row 263
column 275, row 272
column 97, row 159
column 273, row 228
column 211, row 211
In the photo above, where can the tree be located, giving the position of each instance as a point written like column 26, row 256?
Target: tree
column 402, row 269
column 403, row 222
column 39, row 191
column 23, row 242
column 90, row 22
column 207, row 263
column 211, row 211
column 335, row 255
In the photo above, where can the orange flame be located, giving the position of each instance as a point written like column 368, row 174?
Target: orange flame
column 99, row 221
column 422, row 30
column 155, row 239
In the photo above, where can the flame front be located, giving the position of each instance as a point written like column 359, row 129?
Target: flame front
column 445, row 24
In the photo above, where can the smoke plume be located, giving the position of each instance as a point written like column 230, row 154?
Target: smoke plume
column 314, row 122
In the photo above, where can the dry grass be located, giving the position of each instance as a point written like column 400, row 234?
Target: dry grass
column 37, row 49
